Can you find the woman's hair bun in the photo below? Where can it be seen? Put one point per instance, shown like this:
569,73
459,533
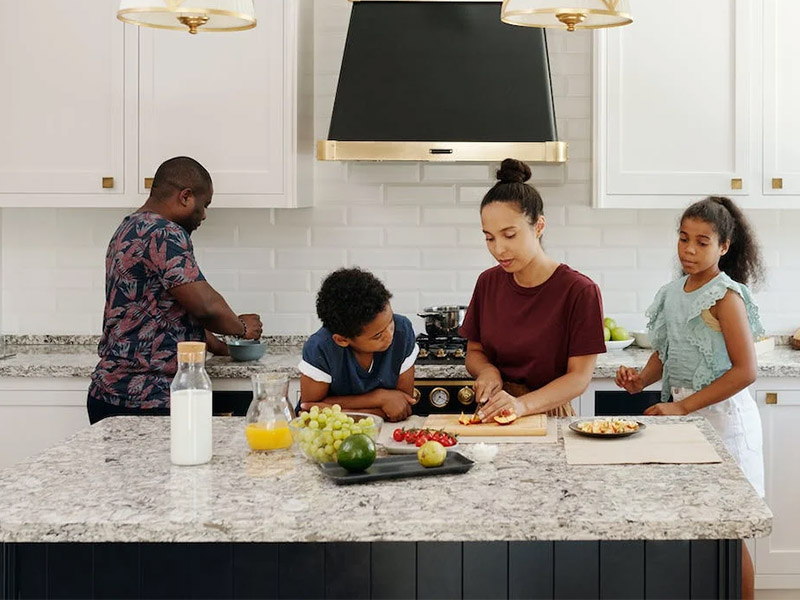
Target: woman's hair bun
513,171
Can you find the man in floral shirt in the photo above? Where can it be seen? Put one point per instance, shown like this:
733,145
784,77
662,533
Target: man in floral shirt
156,296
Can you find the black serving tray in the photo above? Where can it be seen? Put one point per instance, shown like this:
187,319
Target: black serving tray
396,467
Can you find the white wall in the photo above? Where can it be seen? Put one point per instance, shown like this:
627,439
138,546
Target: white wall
415,225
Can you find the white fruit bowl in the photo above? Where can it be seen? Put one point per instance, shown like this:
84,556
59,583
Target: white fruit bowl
618,345
642,339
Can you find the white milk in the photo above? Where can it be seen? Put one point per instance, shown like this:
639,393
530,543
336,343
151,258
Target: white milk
190,427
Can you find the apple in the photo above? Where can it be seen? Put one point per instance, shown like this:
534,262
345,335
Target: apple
606,333
610,323
619,334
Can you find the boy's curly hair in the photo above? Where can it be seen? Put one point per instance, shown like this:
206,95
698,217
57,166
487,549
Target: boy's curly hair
349,299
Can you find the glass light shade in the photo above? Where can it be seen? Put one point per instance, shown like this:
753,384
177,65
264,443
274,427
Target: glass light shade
566,14
189,15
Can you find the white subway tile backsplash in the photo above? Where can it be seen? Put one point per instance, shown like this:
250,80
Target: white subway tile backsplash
383,215
569,237
457,173
347,237
310,258
421,237
472,194
596,217
316,215
471,237
451,216
367,172
600,258
288,324
235,258
297,302
424,195
277,280
385,258
339,193
456,258
419,280
253,234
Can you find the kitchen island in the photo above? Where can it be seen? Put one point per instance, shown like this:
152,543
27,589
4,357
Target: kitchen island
105,514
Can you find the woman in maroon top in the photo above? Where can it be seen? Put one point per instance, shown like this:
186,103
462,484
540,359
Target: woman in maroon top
534,325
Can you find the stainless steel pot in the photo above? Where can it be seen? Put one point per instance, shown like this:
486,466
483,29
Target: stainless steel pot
443,320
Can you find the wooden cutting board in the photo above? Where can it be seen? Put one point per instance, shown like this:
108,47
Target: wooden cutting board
523,426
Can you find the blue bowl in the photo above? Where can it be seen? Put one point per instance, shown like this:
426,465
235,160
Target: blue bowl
243,350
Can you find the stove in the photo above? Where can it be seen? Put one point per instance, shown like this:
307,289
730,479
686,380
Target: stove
451,350
447,396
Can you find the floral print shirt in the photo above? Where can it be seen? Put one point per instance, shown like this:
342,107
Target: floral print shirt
143,323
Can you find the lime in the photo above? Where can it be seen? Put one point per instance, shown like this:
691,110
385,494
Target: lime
606,333
357,452
610,323
431,454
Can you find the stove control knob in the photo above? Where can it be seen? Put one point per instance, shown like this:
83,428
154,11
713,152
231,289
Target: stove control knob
466,395
440,353
439,397
423,353
459,353
416,395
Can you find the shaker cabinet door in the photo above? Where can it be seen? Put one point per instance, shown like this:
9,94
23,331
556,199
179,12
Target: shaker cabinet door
61,98
219,98
781,90
672,112
777,558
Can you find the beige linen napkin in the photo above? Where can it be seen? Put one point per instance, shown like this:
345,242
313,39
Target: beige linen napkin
674,443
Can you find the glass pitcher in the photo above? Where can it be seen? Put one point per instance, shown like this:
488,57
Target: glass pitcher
267,421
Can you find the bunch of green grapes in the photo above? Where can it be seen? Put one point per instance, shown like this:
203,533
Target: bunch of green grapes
323,431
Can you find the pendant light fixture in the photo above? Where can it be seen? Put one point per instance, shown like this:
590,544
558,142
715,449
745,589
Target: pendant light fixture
189,15
566,14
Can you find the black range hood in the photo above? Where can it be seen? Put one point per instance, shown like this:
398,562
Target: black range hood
441,81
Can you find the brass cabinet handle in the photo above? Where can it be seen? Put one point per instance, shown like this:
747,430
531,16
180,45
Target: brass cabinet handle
736,183
108,182
771,398
777,183
148,183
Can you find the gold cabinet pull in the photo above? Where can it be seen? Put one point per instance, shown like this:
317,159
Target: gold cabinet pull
108,182
777,183
772,398
736,183
148,183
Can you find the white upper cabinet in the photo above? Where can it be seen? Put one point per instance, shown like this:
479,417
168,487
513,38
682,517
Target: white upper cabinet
90,87
61,99
678,105
781,174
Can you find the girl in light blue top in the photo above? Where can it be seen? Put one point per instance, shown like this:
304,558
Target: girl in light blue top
702,327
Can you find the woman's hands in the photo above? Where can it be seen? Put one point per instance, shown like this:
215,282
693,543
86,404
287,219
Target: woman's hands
629,379
498,402
487,384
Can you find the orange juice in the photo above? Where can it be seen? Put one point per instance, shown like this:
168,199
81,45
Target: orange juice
261,437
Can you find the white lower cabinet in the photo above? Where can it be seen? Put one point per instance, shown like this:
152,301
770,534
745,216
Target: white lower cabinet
778,556
38,413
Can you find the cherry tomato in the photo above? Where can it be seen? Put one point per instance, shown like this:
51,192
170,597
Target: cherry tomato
421,441
399,435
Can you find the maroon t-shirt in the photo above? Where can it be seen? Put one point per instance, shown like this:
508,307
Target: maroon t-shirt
530,333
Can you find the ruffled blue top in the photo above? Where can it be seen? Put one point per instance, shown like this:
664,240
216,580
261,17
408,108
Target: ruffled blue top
693,354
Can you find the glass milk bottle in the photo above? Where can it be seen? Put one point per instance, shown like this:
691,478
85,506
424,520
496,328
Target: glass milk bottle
267,422
190,407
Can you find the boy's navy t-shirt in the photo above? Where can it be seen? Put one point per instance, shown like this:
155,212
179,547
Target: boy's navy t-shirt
327,362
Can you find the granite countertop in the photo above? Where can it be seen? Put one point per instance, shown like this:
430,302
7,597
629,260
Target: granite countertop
62,359
113,482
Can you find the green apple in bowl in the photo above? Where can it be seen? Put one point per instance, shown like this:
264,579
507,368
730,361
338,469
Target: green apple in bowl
619,334
610,323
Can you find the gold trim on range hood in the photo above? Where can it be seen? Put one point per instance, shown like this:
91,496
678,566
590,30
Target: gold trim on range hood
536,152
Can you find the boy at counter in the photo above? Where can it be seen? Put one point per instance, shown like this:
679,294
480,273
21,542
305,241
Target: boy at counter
362,357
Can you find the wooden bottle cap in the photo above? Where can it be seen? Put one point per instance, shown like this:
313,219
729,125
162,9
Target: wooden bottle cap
192,351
